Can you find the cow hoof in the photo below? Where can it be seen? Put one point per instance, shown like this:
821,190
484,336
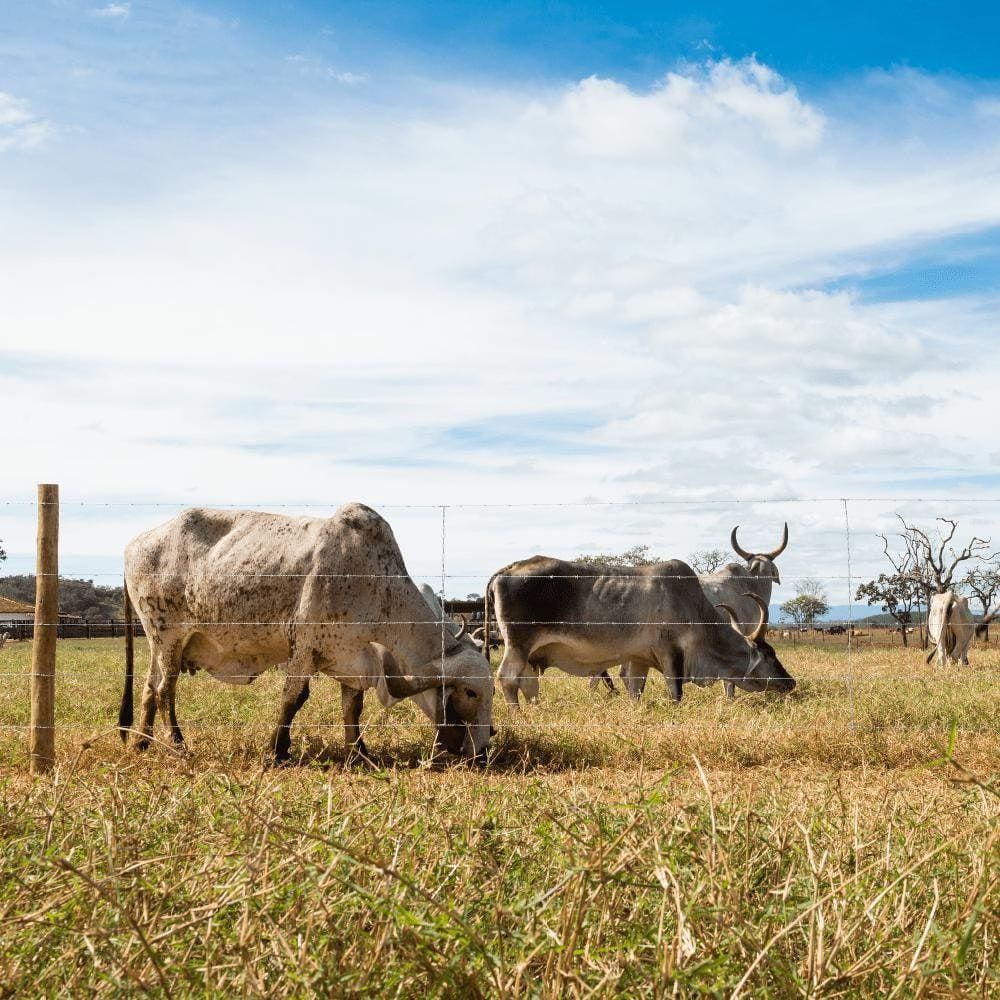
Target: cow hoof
359,754
142,743
281,753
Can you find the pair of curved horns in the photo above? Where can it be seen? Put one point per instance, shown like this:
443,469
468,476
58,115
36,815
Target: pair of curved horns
759,632
743,554
397,683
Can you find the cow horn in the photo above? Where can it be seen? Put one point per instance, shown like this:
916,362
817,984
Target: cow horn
398,685
742,553
732,617
781,548
761,629
461,631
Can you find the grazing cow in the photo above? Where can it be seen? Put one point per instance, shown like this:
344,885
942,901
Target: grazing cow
740,586
553,613
237,592
951,626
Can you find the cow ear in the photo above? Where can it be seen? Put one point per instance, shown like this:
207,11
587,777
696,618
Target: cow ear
398,685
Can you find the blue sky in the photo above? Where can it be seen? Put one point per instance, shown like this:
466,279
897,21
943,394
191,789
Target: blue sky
429,252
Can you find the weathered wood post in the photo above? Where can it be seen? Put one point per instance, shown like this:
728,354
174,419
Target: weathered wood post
43,650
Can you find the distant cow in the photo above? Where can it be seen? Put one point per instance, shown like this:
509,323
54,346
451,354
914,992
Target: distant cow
951,626
559,614
4,636
236,592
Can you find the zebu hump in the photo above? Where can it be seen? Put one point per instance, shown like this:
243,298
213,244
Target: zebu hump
539,590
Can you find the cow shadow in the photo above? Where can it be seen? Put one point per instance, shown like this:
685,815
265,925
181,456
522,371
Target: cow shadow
510,753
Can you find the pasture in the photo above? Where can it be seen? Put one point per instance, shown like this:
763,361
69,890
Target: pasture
814,845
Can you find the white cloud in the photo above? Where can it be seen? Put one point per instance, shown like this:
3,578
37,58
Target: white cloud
20,128
607,118
584,290
114,11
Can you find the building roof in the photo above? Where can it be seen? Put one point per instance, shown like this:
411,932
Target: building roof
9,607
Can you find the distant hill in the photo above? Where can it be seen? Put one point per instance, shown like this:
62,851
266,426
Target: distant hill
859,613
76,597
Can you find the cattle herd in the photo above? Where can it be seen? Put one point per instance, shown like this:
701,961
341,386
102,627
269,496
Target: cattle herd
237,592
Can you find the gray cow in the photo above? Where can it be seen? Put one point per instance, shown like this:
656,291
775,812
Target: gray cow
236,592
559,614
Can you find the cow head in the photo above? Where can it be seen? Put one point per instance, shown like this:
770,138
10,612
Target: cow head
761,563
764,671
455,691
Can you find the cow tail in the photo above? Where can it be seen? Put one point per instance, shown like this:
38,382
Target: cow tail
486,615
486,619
127,709
949,638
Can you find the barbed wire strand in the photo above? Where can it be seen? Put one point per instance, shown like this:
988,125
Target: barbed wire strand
374,724
499,505
289,623
932,674
482,575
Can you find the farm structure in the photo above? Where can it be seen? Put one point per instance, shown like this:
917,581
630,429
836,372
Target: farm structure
15,613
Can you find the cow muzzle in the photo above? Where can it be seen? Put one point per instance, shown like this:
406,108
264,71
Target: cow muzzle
469,739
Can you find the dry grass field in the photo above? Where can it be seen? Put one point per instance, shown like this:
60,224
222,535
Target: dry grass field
810,846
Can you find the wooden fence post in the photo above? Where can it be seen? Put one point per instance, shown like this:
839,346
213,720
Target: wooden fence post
43,649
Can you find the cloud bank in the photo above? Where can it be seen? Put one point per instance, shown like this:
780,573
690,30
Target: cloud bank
520,294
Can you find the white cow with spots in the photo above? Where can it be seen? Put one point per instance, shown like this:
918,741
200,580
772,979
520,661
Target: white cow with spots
237,592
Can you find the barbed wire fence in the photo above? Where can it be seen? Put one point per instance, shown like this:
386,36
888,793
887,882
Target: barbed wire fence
47,625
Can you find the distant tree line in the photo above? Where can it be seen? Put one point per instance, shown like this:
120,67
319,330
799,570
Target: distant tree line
76,597
705,561
809,603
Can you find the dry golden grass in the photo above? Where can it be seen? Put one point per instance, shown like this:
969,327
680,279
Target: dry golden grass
778,847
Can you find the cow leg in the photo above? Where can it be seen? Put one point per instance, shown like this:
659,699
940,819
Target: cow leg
531,683
293,697
147,711
634,677
730,689
604,676
512,673
671,663
352,702
170,668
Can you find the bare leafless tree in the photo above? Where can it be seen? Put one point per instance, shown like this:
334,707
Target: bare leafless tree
935,559
707,560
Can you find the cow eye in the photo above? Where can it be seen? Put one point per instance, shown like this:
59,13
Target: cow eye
469,693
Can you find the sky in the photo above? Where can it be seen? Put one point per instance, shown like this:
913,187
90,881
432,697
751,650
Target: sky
732,261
